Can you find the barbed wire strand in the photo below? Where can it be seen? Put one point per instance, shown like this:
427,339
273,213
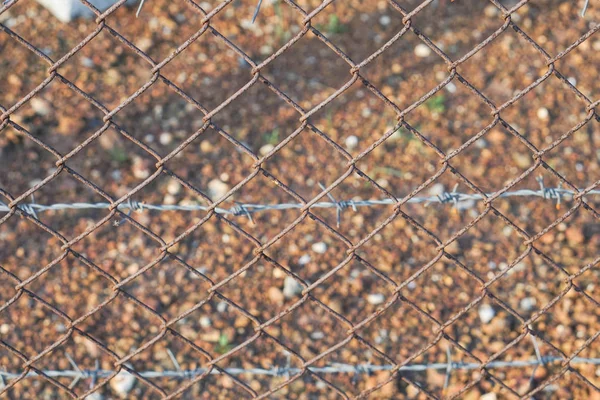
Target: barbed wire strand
336,368
460,201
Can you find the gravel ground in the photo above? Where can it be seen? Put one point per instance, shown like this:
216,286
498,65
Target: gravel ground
308,72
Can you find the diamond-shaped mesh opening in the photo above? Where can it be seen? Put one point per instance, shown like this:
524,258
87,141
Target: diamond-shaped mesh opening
67,280
300,80
488,247
580,234
356,290
263,353
107,70
339,25
313,329
559,29
14,56
530,286
512,55
19,320
308,151
13,179
309,250
530,116
122,315
212,163
276,25
160,28
208,70
401,75
77,352
577,158
120,248
160,118
399,250
216,326
355,118
113,163
471,22
503,153
584,54
451,117
27,248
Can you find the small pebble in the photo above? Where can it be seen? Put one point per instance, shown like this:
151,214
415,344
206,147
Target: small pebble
317,335
222,307
40,106
527,303
276,295
486,313
291,287
543,113
264,150
375,298
385,20
319,247
165,138
122,383
217,188
305,259
488,396
351,142
422,50
174,187
205,321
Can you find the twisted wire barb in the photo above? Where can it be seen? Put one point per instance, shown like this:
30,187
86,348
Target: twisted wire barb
337,368
460,200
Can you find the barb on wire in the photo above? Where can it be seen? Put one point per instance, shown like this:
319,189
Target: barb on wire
337,368
246,209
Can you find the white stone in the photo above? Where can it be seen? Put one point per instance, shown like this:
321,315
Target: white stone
40,106
375,298
305,259
165,138
174,187
543,113
488,396
66,10
319,247
351,142
317,335
94,396
291,287
385,20
122,383
217,189
528,303
205,321
222,306
486,313
264,150
422,50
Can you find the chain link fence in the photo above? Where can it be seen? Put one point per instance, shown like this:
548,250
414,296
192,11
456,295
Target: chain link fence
354,199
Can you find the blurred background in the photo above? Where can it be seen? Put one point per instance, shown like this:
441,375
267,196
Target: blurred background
532,284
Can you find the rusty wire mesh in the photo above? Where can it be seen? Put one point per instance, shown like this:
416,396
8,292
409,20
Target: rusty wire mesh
429,327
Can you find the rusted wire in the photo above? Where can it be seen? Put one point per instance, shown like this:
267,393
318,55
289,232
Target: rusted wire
19,204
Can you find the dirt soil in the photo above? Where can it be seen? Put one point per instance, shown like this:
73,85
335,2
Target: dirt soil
402,286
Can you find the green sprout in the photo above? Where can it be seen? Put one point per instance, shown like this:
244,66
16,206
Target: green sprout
436,104
223,346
